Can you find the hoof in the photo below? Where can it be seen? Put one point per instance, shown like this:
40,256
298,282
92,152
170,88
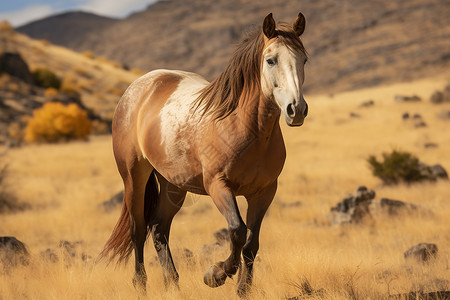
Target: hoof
215,276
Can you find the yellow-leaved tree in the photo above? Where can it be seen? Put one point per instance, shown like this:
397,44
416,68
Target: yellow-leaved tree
55,122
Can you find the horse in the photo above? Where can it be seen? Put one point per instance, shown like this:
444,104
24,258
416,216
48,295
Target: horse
173,132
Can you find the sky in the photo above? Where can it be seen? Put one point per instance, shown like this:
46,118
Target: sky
20,12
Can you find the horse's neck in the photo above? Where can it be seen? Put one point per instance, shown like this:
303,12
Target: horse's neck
259,114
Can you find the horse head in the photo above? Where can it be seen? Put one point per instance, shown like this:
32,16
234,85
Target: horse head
282,72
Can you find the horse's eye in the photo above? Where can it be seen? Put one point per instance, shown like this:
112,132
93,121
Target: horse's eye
271,61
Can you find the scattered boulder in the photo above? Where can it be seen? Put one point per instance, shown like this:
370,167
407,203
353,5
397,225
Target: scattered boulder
289,204
68,252
402,98
444,115
416,119
112,203
13,252
354,115
69,248
430,145
441,96
422,252
433,172
394,207
354,208
14,65
437,97
367,103
49,255
420,124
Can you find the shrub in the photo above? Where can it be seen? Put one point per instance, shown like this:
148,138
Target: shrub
46,78
396,166
55,122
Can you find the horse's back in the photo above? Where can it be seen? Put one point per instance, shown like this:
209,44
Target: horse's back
154,87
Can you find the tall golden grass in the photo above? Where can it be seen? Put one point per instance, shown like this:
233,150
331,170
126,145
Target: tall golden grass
326,161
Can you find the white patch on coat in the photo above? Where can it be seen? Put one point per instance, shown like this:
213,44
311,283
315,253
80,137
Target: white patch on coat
178,120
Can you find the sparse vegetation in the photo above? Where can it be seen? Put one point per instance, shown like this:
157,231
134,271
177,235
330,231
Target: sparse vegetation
57,122
8,201
396,167
46,78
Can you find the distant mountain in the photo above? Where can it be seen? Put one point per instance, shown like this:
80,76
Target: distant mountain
352,43
67,28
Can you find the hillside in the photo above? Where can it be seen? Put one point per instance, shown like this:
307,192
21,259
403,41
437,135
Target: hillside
352,43
64,29
94,82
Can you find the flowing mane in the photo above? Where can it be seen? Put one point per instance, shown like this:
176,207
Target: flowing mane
242,75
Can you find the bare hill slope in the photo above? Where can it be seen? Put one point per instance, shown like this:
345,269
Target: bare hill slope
352,43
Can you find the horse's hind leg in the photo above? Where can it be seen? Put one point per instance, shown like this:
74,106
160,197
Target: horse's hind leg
135,174
225,201
257,207
170,201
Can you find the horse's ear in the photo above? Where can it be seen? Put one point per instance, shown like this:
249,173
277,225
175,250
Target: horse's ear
269,26
299,24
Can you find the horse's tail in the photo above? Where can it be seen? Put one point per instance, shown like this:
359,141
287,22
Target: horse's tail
119,244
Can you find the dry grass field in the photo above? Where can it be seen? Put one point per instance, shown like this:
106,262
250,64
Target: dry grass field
326,161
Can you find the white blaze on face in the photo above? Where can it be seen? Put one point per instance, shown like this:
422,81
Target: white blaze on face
282,75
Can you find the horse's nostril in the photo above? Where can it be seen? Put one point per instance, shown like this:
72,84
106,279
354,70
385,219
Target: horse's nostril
305,113
291,110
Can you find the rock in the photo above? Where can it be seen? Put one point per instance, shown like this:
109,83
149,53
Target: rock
367,103
354,115
441,97
402,98
50,256
438,171
113,202
188,256
405,116
417,116
354,208
444,115
437,97
69,248
433,172
422,252
13,252
393,207
290,204
430,145
420,124
14,65
222,236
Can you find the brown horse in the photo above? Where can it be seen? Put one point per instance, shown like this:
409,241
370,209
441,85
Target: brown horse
173,132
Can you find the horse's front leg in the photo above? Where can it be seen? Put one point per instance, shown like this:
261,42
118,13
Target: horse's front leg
257,207
225,201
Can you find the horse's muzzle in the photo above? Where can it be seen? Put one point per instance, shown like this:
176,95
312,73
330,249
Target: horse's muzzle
296,114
